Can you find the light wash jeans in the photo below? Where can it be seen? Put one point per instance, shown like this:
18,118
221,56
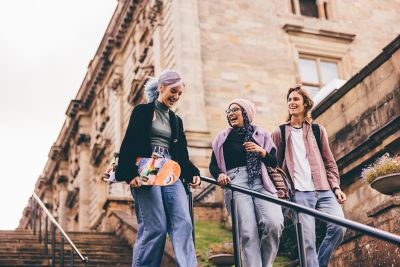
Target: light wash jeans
324,201
161,210
260,222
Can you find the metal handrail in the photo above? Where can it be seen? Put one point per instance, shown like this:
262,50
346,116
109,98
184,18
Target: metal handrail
368,230
41,204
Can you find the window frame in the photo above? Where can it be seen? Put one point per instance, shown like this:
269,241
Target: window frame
325,9
318,59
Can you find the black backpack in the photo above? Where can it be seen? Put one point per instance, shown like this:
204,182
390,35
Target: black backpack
317,134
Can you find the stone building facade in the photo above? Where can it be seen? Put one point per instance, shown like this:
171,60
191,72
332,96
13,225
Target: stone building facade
224,49
362,119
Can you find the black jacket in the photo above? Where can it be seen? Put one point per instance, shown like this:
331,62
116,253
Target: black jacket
137,143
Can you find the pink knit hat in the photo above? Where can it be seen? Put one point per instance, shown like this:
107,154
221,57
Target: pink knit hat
246,105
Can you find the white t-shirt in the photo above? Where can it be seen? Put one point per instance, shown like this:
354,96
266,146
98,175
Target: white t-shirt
302,171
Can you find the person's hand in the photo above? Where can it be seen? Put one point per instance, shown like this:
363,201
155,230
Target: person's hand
253,147
340,195
223,179
196,181
135,182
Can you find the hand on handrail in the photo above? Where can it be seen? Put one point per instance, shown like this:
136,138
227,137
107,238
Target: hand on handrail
223,179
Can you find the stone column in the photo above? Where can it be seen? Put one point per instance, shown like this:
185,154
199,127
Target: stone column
62,201
84,182
187,43
118,98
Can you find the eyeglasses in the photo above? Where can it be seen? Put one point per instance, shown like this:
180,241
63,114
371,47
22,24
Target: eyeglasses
233,110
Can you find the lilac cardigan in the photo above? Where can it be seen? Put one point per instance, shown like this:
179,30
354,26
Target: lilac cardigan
262,138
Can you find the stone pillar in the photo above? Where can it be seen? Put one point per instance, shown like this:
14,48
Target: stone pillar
62,201
118,98
84,182
187,43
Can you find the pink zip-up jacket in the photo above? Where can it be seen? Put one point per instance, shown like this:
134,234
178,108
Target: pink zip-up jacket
324,170
262,138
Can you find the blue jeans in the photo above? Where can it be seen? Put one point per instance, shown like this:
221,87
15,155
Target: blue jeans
161,210
260,222
324,201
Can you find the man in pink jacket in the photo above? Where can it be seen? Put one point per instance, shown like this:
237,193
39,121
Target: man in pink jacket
303,152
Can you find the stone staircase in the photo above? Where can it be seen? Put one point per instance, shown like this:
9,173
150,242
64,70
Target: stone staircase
21,248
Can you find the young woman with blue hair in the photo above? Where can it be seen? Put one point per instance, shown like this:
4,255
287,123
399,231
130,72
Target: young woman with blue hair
154,128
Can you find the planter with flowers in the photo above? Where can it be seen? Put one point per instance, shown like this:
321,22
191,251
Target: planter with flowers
384,175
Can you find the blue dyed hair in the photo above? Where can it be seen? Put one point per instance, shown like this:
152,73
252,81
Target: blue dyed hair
151,89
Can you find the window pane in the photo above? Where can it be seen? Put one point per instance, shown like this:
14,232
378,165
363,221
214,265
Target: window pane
308,70
308,8
312,90
329,72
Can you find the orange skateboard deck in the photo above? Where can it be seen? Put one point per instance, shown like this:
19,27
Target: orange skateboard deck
158,171
152,171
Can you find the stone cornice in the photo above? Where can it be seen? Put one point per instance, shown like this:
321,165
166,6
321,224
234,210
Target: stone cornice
290,28
73,108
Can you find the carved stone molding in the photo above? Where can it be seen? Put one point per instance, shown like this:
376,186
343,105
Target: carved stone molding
141,76
62,180
55,152
73,108
83,139
290,28
71,197
97,150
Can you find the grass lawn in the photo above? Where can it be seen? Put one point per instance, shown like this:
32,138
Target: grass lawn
207,234
210,233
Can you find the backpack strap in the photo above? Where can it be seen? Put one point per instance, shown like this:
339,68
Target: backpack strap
283,138
317,134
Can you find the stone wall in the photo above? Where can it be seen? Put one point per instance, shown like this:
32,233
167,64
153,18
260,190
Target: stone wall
210,212
360,250
362,120
360,128
247,52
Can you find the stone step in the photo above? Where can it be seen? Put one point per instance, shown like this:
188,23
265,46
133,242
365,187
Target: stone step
21,248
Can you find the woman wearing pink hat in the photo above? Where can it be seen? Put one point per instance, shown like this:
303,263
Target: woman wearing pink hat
240,156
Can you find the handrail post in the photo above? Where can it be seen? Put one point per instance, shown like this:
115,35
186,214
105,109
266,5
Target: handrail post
62,252
300,241
53,245
72,257
46,236
235,233
54,225
40,225
190,201
34,218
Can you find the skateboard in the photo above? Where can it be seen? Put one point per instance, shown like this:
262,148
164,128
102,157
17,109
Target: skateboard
152,171
157,170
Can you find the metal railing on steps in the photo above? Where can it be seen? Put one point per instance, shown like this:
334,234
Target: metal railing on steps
36,217
365,229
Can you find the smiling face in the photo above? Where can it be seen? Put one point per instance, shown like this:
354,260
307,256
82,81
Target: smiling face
235,115
170,95
295,103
